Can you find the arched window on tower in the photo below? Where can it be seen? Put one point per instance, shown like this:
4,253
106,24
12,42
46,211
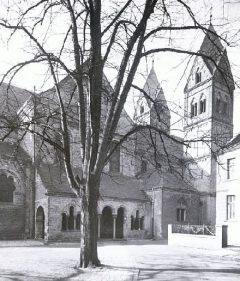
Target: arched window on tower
194,108
202,104
141,109
198,76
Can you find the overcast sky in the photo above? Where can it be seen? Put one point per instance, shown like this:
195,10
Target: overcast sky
171,69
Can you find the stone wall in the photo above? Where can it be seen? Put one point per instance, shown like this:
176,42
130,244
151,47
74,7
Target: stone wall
170,204
16,216
57,206
130,207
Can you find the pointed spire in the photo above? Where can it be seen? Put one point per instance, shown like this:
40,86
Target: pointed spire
211,9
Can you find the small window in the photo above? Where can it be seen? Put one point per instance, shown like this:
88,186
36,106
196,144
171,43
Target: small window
141,109
194,109
198,76
136,222
71,219
202,106
64,221
230,168
230,207
181,214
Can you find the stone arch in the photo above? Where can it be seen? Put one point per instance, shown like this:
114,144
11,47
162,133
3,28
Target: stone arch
17,178
40,223
107,222
110,206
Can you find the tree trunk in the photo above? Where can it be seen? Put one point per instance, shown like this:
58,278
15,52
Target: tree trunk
88,241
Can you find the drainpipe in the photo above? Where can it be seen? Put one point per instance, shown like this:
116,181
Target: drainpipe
153,201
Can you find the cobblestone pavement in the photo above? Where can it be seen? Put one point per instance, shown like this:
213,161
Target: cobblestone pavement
122,260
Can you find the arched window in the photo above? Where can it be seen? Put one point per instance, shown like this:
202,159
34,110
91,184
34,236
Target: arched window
141,109
194,109
136,222
181,210
78,221
7,188
202,104
64,221
71,219
198,76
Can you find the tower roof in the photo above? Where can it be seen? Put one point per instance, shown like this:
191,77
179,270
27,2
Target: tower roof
153,89
211,47
214,55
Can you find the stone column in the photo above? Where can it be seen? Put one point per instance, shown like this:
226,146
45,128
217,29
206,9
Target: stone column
114,226
99,225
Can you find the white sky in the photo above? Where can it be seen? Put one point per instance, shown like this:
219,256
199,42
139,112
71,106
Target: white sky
170,68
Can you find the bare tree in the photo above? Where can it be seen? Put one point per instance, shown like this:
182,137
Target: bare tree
96,36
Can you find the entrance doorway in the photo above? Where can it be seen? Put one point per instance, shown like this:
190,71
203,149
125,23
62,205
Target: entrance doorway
107,223
119,223
40,220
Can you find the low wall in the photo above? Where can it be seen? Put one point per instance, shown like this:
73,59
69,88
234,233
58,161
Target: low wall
199,241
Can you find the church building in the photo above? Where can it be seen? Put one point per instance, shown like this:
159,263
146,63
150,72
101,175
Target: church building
152,180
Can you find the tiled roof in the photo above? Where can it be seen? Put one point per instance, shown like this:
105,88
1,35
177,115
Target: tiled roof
118,187
54,179
122,187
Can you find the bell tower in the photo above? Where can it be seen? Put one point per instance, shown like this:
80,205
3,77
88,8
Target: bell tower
151,107
208,105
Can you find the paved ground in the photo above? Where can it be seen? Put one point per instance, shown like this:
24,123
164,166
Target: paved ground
132,260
